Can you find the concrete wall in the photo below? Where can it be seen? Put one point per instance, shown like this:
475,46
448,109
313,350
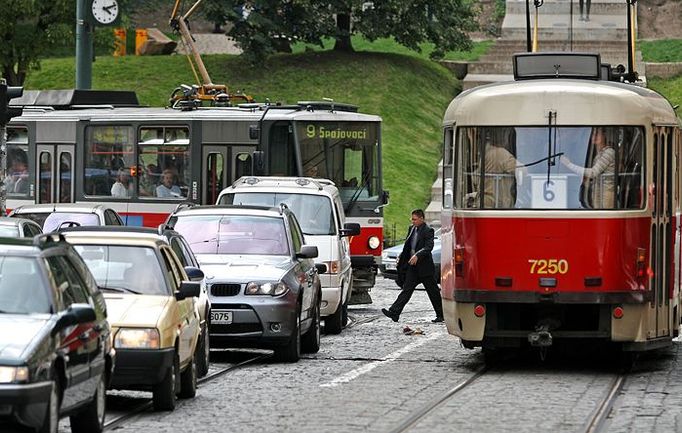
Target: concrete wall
663,70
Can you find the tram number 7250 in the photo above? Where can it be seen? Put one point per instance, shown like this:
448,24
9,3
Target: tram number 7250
549,266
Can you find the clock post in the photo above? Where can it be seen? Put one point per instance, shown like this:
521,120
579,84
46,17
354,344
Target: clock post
88,14
84,45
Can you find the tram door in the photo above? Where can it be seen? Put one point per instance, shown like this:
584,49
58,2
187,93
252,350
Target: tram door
55,173
661,233
221,166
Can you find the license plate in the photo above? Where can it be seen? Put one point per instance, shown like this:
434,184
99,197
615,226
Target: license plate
221,317
390,267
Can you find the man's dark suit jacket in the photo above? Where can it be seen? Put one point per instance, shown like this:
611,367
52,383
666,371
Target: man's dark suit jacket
424,266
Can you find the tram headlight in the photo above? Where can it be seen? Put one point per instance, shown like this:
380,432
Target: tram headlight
373,242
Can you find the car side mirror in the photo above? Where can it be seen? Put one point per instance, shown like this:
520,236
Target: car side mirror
194,274
307,252
350,229
76,314
188,289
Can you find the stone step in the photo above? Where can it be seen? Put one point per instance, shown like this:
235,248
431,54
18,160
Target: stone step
556,46
437,189
432,213
597,7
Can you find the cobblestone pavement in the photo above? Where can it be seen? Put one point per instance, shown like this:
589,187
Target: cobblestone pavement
372,376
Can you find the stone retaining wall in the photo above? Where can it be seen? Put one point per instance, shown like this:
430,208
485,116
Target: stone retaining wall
663,70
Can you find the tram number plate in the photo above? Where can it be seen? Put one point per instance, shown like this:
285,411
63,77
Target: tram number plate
221,317
548,266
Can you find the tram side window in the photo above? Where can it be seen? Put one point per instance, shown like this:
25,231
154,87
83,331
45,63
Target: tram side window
108,156
18,179
164,162
447,169
468,163
630,193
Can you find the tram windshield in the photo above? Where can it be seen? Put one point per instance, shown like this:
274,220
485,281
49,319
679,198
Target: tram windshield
596,167
344,152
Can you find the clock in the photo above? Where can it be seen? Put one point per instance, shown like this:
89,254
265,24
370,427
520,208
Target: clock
104,11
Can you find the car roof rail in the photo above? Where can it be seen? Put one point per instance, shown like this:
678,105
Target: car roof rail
282,207
299,180
48,240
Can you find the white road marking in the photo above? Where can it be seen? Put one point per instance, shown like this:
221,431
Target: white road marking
354,374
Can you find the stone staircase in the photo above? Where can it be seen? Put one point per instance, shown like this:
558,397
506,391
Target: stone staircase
559,29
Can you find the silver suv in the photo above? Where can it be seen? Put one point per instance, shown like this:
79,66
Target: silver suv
261,277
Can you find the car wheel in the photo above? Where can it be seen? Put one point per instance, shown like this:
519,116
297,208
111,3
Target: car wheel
311,340
91,418
334,324
188,380
164,392
291,352
202,354
344,315
51,421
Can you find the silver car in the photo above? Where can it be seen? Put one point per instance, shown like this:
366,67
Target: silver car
261,277
51,217
18,228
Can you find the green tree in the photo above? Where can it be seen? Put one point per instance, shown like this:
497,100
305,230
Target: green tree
29,29
261,27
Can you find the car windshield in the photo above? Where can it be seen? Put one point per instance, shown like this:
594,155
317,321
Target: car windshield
9,231
53,221
125,268
233,234
313,212
22,290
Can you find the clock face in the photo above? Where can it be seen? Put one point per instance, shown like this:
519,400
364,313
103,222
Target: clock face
105,11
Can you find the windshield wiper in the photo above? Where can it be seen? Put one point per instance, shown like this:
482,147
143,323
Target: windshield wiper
358,191
204,241
120,290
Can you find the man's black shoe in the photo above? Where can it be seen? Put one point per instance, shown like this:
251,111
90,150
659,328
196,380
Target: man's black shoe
438,320
389,313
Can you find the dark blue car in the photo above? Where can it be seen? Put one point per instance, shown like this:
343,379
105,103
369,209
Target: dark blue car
390,256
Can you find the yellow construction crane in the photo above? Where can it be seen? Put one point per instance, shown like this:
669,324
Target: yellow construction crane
204,90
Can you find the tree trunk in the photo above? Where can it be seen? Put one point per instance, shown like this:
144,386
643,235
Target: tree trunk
343,42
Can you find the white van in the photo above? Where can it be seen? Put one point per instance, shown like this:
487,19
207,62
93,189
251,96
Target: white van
319,210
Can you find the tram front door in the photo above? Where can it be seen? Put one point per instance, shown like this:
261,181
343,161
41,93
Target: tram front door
55,173
221,166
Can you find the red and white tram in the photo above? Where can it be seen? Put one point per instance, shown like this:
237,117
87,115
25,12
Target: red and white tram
561,210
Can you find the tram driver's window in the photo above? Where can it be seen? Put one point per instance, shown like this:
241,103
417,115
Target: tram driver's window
164,162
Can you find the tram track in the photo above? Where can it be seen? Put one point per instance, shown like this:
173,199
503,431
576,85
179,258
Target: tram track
423,411
146,405
598,418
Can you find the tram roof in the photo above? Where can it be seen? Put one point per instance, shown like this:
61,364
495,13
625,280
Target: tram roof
576,102
248,114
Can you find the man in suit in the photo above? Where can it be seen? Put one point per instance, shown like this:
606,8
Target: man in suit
417,263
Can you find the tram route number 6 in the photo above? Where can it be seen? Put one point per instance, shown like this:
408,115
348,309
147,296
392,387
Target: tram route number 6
551,266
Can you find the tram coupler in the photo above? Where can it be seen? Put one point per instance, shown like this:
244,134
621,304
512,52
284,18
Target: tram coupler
541,337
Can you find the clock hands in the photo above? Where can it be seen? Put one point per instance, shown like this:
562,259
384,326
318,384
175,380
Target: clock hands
108,8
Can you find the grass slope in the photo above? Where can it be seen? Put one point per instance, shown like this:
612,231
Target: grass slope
408,92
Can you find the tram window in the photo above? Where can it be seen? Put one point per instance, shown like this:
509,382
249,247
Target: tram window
214,176
65,178
18,180
543,168
45,182
163,152
447,169
108,149
282,156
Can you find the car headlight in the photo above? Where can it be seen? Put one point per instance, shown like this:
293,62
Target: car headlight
137,338
373,242
13,374
273,289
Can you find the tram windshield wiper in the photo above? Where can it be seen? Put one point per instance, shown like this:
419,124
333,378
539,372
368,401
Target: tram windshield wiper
358,191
